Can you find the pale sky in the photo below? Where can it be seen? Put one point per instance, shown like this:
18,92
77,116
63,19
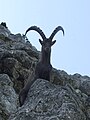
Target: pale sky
71,52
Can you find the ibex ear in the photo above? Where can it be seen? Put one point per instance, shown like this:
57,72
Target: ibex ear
53,42
41,42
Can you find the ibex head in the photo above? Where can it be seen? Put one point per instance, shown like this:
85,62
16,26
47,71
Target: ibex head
46,42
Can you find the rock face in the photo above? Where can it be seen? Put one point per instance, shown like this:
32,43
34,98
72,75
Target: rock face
65,97
8,97
46,101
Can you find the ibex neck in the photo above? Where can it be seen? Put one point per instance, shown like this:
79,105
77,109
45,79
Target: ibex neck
45,58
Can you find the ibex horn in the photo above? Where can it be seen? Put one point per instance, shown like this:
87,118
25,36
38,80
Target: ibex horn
55,31
37,29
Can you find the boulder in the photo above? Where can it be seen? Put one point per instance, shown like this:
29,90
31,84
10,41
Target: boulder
8,97
47,101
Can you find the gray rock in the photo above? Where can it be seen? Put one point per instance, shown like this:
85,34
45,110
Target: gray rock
60,77
65,97
85,86
4,31
17,58
8,97
47,101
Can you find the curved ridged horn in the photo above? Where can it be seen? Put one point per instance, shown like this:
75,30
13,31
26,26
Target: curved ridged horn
38,30
55,31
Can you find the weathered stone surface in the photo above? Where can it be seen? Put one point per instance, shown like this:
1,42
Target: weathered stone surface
8,97
17,58
65,97
4,32
85,86
47,101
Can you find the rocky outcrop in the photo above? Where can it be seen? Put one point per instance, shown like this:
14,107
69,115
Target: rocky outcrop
47,101
8,97
65,97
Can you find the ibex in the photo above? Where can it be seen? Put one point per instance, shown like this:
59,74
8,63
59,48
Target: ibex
44,67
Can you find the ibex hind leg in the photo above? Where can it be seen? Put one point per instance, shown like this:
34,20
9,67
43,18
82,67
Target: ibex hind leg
22,97
24,91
